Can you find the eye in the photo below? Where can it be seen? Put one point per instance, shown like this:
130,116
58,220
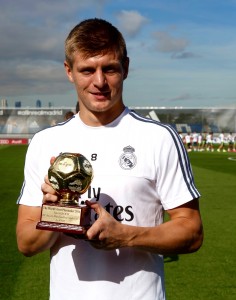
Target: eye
87,71
110,70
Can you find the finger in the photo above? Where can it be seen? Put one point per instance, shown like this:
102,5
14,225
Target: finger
47,188
47,180
49,194
94,231
52,159
50,198
95,206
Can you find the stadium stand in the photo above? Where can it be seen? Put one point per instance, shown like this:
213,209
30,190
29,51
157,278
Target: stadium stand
22,123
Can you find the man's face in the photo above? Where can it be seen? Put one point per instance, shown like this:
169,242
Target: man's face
98,81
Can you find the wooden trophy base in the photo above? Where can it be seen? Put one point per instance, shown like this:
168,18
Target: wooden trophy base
68,219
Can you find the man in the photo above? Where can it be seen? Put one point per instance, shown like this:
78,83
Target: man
209,142
140,169
199,142
204,140
194,141
188,140
230,139
222,142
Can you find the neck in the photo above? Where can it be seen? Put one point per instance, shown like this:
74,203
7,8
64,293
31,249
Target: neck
100,118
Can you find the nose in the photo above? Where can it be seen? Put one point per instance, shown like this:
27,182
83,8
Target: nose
99,79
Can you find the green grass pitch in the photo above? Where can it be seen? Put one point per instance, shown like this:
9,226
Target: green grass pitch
209,274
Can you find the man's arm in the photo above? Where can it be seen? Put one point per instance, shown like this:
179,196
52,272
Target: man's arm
29,239
183,233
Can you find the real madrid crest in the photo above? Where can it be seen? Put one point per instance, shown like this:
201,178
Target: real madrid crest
128,160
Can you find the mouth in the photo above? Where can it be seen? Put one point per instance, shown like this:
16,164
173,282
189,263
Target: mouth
101,95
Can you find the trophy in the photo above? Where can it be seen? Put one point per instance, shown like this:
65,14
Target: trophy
70,175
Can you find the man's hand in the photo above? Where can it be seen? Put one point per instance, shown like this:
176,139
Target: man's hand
106,233
49,194
183,233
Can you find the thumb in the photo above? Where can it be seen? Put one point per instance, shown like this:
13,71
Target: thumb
95,206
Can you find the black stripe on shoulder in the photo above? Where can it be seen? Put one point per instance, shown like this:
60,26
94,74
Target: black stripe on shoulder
141,118
181,150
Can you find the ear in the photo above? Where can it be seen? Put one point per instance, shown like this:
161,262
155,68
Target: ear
68,71
126,68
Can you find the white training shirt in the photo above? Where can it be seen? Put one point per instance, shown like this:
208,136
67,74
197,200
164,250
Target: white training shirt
140,168
221,137
195,137
187,139
209,138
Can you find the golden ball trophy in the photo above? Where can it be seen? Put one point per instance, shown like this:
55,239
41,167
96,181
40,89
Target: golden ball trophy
70,175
